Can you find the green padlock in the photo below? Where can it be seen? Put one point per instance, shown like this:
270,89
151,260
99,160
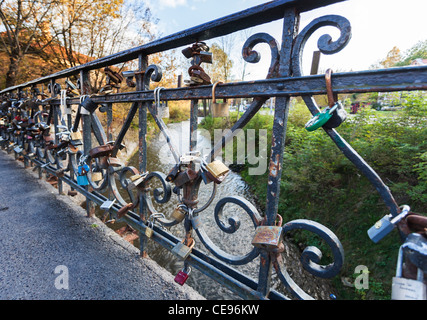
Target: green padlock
321,118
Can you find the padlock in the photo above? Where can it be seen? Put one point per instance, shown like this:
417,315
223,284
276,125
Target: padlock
338,117
82,180
83,169
321,118
148,231
76,135
101,151
407,289
415,250
384,226
136,180
173,173
96,176
89,105
106,205
182,276
205,57
185,176
219,109
178,214
182,251
123,210
217,168
268,237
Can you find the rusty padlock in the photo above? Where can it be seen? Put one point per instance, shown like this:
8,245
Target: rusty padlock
198,72
185,176
173,173
268,237
123,210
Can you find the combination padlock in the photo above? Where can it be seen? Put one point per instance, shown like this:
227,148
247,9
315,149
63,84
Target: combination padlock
404,288
268,237
384,226
182,276
181,250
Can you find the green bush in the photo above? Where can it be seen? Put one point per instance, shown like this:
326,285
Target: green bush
321,184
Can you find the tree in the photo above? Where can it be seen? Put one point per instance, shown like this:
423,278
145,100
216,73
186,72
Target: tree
393,57
22,22
67,33
220,69
418,51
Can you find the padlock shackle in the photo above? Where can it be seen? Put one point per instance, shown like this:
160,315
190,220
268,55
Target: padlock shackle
332,97
213,90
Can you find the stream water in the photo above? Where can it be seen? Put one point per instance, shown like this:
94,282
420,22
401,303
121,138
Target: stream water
159,158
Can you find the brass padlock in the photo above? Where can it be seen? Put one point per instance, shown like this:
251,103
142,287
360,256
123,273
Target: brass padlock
148,231
96,176
268,237
217,168
178,214
219,109
136,180
181,250
76,135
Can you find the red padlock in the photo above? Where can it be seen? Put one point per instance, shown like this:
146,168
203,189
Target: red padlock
182,276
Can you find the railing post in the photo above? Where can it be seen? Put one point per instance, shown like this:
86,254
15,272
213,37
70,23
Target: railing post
142,132
290,25
87,133
55,124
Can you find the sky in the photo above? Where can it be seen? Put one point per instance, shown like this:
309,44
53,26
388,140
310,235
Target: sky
377,26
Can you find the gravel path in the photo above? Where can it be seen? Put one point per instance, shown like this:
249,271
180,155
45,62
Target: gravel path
50,249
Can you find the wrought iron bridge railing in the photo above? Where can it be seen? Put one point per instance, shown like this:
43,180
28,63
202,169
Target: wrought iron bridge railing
89,164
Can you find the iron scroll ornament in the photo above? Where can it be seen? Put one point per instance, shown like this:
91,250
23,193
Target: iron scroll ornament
327,46
311,256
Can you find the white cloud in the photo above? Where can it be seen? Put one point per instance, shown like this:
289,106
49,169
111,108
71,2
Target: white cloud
172,3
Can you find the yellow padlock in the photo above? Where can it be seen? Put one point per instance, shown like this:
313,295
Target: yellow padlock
96,176
178,214
217,168
76,135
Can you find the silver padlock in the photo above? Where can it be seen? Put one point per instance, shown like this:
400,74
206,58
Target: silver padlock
106,205
407,289
384,226
136,180
415,250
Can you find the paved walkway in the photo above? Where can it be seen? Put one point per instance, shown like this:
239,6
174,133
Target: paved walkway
50,249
